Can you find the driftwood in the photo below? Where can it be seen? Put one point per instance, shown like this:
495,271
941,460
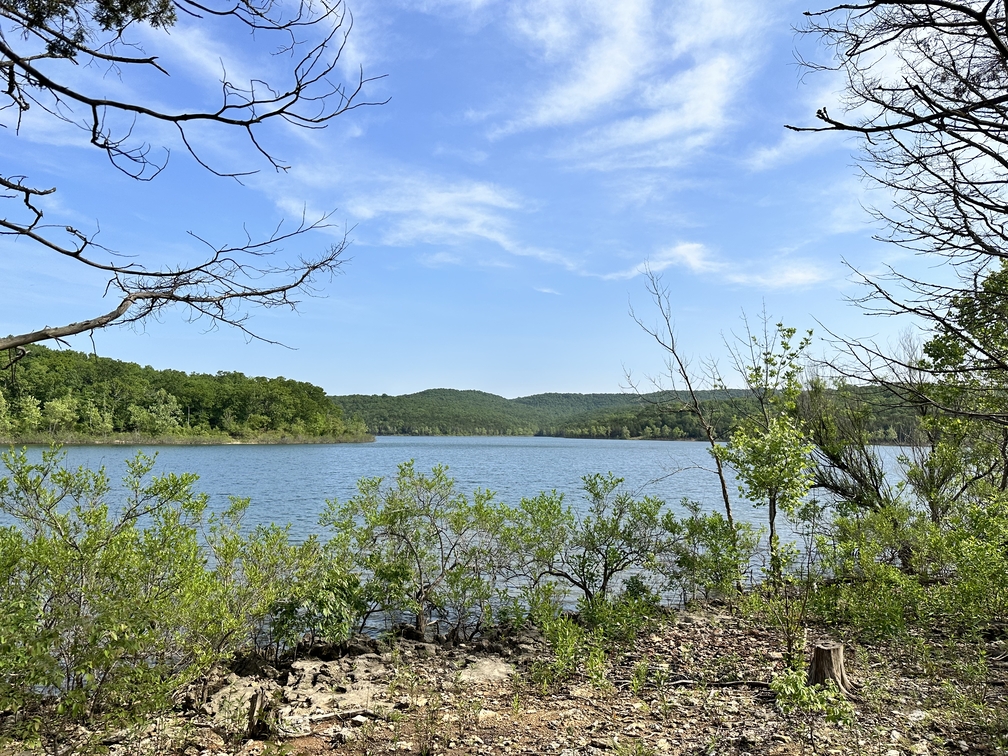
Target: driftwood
827,663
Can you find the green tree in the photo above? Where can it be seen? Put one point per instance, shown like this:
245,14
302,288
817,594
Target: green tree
60,414
709,556
618,533
6,421
774,467
162,415
770,450
94,420
29,413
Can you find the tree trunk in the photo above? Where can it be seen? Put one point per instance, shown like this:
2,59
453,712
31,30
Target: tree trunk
828,664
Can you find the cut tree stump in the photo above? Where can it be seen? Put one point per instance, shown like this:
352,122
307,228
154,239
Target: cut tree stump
827,663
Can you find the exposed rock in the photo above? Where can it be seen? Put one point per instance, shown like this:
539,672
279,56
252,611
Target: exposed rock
483,670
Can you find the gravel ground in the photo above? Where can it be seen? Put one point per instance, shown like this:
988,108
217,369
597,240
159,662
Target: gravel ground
694,684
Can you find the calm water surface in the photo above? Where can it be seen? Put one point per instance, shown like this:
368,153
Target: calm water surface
290,483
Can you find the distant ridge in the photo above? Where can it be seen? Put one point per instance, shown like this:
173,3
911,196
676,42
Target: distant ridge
451,412
454,412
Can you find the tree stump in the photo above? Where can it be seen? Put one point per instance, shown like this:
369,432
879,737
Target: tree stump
254,713
827,663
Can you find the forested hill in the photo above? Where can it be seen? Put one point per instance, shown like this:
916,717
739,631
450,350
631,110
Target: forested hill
451,412
443,412
69,396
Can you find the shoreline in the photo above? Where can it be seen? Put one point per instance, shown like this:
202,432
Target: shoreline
138,440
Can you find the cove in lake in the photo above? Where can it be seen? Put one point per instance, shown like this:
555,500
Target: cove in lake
290,483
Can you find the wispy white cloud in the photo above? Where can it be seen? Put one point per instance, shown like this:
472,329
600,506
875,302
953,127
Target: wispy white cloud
641,82
440,259
697,259
545,290
405,207
593,75
790,147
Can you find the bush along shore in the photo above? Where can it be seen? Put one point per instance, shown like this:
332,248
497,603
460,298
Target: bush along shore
427,620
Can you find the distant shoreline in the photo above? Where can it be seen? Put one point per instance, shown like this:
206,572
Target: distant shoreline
121,439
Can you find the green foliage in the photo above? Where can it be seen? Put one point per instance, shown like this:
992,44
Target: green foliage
66,393
28,412
770,450
773,464
639,678
841,421
423,548
278,594
439,412
707,556
6,420
103,609
79,22
617,622
871,560
567,640
163,415
618,533
634,747
784,606
974,545
811,703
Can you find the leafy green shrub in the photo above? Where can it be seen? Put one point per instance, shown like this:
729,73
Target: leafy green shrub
617,534
810,703
707,556
975,595
569,644
424,549
278,593
103,610
618,621
872,561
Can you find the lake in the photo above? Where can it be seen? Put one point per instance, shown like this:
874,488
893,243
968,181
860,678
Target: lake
290,483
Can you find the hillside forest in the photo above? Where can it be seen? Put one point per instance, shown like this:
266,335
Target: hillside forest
75,397
657,415
54,394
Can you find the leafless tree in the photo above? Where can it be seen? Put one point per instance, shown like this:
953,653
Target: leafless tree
927,91
681,393
45,44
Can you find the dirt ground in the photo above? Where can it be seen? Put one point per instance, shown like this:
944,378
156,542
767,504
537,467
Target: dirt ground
694,684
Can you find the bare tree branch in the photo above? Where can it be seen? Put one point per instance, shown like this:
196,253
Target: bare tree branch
41,43
926,84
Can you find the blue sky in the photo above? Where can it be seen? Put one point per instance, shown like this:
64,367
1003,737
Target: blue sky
531,158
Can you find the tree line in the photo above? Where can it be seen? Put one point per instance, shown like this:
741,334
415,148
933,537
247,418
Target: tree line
657,415
71,395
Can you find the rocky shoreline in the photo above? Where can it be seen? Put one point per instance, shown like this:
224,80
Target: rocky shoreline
696,683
